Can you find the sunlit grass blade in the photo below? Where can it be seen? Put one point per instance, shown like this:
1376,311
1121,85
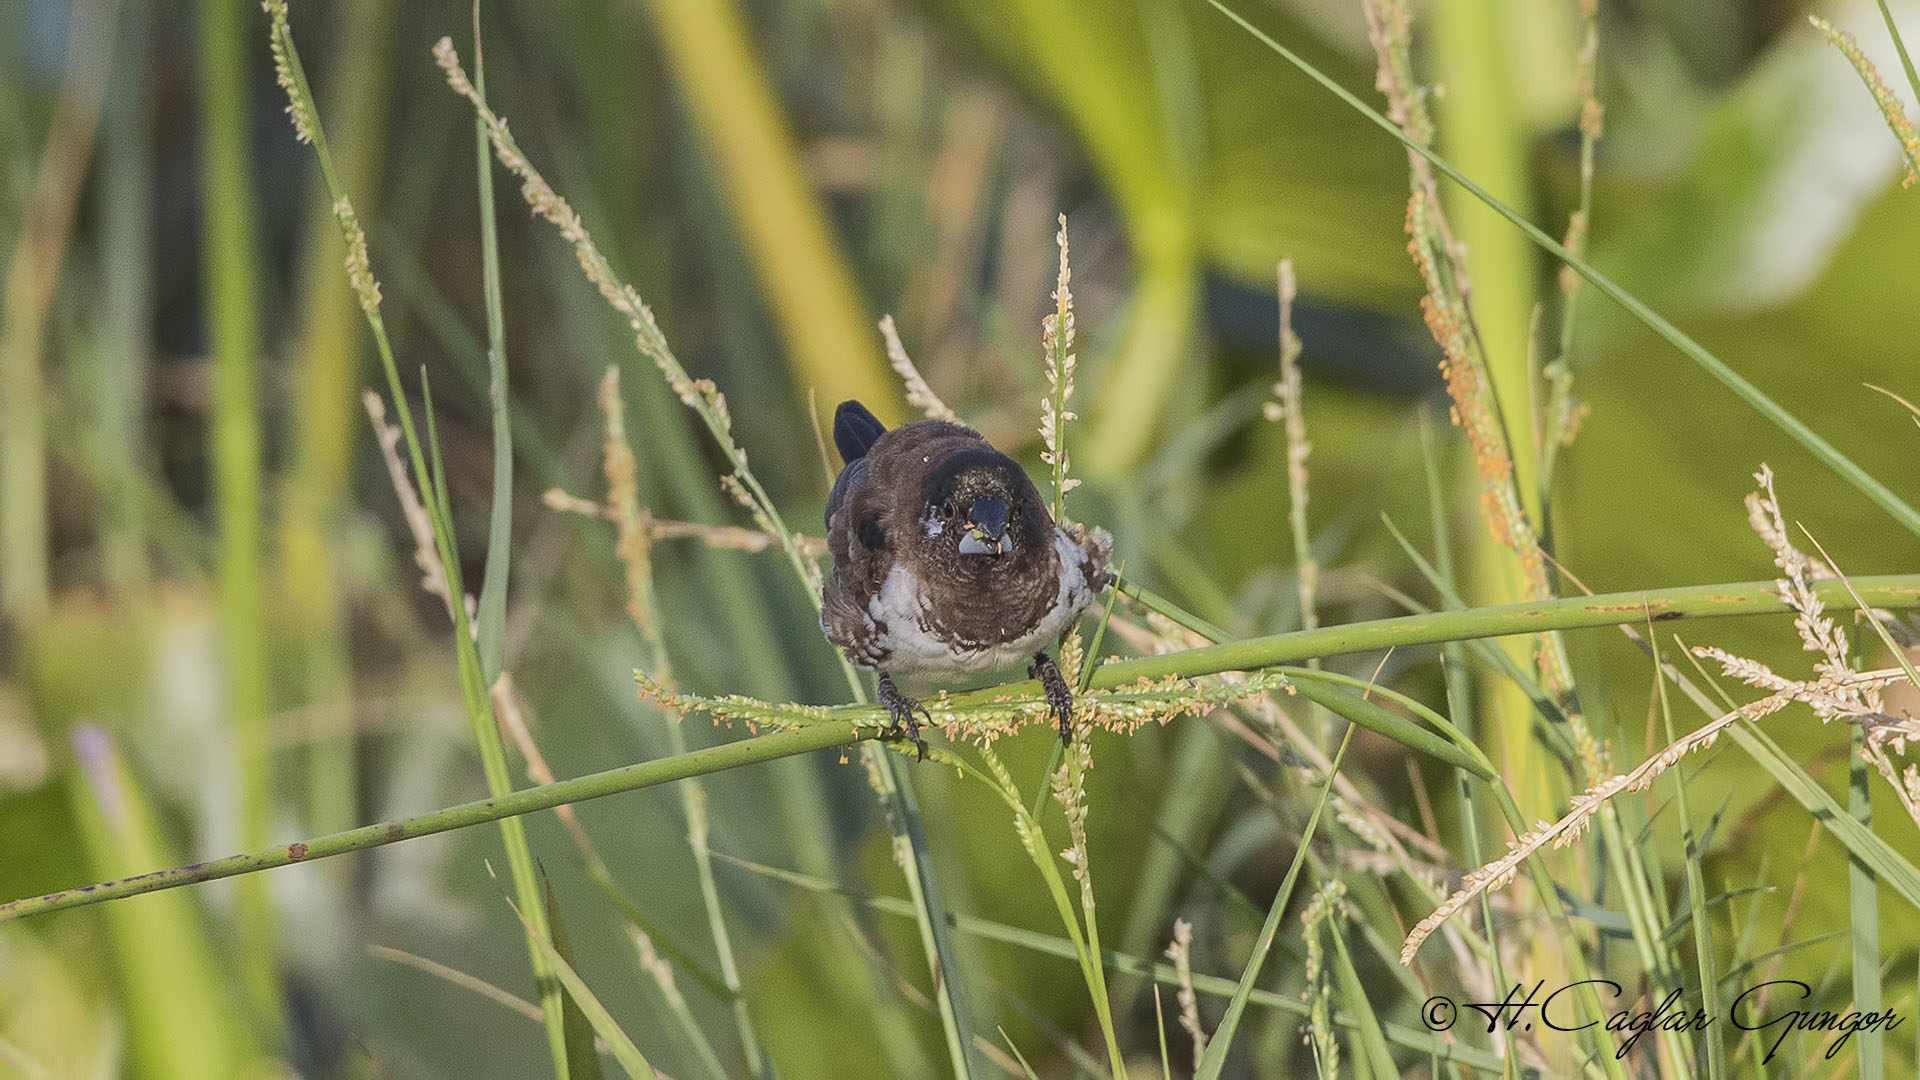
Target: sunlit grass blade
1826,452
1209,1067
803,273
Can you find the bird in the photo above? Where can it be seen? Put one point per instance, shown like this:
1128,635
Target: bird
947,565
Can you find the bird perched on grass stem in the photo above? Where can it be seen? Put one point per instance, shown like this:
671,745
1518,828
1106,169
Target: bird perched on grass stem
946,564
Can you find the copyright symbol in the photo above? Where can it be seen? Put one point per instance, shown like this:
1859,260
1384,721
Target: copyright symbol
1438,1013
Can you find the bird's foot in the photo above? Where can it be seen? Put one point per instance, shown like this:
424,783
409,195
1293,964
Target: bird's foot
1059,694
906,713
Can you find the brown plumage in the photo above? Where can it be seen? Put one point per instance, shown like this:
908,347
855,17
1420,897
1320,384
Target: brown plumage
946,564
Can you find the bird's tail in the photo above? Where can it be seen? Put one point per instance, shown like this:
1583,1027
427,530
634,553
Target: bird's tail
855,430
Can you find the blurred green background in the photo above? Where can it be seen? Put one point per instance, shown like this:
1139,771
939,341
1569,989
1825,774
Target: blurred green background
773,177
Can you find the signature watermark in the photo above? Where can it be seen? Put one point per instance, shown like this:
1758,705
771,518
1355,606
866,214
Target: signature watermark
1753,1010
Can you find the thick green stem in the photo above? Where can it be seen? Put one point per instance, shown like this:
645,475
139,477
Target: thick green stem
525,801
1697,601
1566,613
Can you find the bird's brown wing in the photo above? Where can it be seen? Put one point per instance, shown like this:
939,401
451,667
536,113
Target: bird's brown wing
875,505
858,568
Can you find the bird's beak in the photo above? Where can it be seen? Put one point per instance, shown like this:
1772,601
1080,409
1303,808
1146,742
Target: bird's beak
986,529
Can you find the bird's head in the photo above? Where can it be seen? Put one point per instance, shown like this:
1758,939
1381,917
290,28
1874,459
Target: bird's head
980,507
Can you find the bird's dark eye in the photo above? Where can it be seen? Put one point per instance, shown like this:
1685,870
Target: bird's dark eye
946,508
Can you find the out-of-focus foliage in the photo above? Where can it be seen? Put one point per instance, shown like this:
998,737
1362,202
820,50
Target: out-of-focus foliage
1746,188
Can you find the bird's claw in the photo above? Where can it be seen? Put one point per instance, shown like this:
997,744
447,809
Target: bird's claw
906,713
1059,694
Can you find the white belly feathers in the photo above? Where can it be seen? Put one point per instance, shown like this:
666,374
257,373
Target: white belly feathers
903,635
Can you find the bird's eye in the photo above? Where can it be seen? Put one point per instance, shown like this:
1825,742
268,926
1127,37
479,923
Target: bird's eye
946,508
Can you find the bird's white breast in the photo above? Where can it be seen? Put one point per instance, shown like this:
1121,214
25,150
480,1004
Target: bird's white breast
914,651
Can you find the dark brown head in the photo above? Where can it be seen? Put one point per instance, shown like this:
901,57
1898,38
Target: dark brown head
981,517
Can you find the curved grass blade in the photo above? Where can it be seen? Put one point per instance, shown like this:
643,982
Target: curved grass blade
1375,718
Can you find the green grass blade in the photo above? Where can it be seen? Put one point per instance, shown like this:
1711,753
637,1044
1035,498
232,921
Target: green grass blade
1892,867
124,358
693,803
1373,1040
493,753
1900,46
180,1023
1863,904
1698,914
1826,452
491,623
583,1060
1216,1057
1025,1069
433,493
604,1025
1160,1030
1453,675
233,303
1359,710
911,851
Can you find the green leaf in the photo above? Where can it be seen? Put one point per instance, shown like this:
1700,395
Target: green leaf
1216,1057
490,626
1378,719
583,1061
1373,1041
181,1021
624,1050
